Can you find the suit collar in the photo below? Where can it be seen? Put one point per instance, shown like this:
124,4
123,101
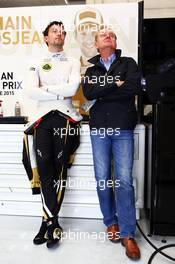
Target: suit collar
96,60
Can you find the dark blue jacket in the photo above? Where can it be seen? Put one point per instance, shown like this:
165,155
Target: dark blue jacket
115,106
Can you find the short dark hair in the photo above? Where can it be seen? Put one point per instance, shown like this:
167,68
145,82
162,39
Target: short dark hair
59,23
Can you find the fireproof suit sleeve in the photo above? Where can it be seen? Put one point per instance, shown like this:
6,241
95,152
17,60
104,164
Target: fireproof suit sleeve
37,91
34,90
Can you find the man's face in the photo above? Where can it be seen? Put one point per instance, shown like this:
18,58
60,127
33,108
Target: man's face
85,36
56,36
105,39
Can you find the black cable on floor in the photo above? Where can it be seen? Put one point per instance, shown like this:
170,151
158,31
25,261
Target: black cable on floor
157,250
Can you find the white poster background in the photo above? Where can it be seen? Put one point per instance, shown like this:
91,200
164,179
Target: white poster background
14,58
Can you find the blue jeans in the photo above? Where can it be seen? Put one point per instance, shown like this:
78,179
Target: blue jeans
117,201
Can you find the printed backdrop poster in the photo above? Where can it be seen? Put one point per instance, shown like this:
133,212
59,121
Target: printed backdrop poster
21,41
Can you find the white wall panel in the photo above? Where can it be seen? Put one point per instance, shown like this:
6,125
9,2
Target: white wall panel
152,8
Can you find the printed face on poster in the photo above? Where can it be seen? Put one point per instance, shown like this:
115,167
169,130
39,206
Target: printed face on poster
21,41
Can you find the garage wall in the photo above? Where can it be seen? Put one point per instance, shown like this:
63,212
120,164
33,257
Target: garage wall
152,8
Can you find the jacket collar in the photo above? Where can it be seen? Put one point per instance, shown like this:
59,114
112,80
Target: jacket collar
59,55
96,60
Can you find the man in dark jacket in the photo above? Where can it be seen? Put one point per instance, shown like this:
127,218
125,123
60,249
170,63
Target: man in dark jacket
113,82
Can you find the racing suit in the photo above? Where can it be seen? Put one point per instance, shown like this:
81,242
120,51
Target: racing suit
52,81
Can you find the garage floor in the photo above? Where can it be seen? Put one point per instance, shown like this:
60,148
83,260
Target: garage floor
84,242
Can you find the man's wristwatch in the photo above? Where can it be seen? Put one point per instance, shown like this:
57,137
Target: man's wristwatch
60,97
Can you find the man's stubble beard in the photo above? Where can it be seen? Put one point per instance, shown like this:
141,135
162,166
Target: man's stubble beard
59,45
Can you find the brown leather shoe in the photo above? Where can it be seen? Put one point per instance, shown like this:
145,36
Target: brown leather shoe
113,233
132,250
